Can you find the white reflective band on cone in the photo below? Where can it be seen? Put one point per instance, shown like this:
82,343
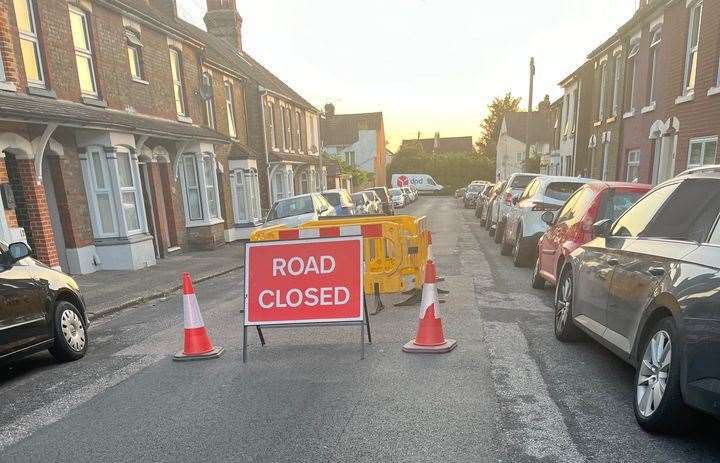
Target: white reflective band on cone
193,318
430,297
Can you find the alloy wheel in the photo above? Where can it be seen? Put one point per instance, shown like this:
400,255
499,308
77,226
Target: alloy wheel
72,330
563,303
654,373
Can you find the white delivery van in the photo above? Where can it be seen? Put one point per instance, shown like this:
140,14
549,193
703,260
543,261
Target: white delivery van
424,183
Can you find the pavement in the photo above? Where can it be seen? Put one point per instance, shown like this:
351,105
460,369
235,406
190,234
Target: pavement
509,392
109,291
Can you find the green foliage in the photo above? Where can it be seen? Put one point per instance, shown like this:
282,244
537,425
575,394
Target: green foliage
487,144
360,178
453,171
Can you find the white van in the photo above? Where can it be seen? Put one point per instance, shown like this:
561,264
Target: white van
424,183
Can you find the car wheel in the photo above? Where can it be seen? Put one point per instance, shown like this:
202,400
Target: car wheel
70,333
658,402
518,252
499,230
477,212
565,329
538,282
505,247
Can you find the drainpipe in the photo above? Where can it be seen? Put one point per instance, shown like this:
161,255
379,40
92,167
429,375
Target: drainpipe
264,92
321,146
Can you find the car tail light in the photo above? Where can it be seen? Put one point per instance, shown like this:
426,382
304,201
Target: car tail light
545,207
508,199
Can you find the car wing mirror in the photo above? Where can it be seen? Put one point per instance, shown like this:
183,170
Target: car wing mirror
548,217
515,200
16,252
601,229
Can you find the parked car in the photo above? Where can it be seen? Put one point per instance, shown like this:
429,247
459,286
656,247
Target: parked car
297,210
387,205
471,194
341,201
572,226
44,308
482,200
460,192
648,288
409,195
701,169
524,225
375,206
490,207
513,188
397,196
362,203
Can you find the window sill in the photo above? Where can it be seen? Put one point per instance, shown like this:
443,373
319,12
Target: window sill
685,98
714,91
8,86
648,108
629,114
203,223
597,124
43,92
140,81
611,119
94,102
184,119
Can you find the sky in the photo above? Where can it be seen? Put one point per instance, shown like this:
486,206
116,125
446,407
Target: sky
428,65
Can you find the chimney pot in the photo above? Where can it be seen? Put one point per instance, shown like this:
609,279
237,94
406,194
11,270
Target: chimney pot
224,22
329,109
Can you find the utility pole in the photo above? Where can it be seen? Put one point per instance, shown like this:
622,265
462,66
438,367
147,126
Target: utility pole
530,109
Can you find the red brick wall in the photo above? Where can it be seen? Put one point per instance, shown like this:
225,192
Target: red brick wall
7,48
10,216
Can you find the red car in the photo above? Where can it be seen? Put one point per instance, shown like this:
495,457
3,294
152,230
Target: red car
572,226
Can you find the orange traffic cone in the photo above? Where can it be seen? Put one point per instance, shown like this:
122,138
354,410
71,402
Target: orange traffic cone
430,338
431,257
197,344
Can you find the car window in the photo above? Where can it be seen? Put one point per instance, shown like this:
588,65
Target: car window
431,182
395,192
615,203
521,181
530,189
689,214
561,190
292,207
332,198
568,210
637,218
474,188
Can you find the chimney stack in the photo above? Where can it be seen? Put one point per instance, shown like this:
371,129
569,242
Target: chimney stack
544,105
166,6
329,109
224,22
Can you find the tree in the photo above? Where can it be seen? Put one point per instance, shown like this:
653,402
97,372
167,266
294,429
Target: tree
487,144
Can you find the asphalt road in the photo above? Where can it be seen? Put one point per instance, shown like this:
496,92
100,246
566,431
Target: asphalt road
509,392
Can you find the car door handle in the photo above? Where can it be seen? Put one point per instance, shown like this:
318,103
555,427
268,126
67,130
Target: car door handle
613,261
656,271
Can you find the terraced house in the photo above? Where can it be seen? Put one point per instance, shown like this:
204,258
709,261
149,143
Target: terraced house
654,102
127,133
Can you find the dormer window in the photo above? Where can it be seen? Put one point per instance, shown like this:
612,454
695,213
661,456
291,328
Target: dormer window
134,50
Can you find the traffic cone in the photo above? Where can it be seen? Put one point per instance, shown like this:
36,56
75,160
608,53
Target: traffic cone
431,257
197,344
430,338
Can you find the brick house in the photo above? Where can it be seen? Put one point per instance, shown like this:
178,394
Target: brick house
576,120
113,160
514,135
358,138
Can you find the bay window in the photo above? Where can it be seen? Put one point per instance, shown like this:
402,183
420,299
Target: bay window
29,43
691,54
200,188
654,59
83,52
177,79
702,152
112,184
230,109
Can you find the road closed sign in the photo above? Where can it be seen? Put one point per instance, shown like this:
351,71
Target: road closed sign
304,281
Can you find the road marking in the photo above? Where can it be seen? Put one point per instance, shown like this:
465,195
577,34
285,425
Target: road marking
27,425
533,420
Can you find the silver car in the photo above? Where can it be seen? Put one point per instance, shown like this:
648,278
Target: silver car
297,210
514,187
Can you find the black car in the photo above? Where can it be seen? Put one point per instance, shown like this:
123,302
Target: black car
482,199
648,288
40,308
387,205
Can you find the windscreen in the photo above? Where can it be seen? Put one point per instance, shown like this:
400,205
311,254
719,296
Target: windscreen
474,188
292,207
521,181
382,193
396,192
333,198
562,190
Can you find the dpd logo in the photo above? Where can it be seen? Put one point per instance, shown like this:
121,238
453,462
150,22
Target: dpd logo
403,180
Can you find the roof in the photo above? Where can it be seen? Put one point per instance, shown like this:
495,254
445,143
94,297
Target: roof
28,108
217,50
541,126
343,129
445,145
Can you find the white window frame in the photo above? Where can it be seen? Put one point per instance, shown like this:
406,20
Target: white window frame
198,160
209,102
631,67
691,50
32,37
271,122
654,60
110,170
603,90
298,131
228,90
85,53
606,160
132,41
211,187
178,84
618,61
633,161
287,128
246,187
196,172
703,154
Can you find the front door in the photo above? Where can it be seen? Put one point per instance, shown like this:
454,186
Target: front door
23,321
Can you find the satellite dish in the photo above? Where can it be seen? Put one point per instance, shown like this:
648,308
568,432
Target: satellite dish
206,92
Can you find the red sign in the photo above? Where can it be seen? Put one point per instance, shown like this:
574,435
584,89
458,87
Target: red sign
403,180
304,281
